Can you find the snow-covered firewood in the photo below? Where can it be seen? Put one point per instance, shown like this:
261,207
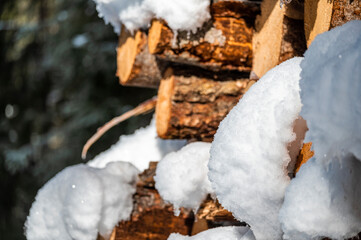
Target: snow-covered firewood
325,197
81,201
249,156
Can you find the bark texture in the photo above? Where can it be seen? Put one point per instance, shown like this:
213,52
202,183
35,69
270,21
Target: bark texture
224,42
191,107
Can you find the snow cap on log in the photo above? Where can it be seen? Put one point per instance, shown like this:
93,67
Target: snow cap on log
181,177
249,156
80,201
180,15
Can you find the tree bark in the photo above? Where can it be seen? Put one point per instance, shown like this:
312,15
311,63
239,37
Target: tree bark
135,65
191,107
224,42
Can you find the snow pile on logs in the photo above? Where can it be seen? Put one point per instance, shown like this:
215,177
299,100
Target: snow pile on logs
135,14
229,233
250,179
327,190
139,148
81,201
181,177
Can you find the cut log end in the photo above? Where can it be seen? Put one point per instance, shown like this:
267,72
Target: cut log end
164,104
135,65
127,53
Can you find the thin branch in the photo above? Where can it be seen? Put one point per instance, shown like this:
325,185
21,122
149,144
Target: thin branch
140,109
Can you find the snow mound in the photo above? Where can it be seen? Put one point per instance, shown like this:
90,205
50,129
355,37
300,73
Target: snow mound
139,148
135,14
249,157
181,177
81,201
181,15
327,190
220,233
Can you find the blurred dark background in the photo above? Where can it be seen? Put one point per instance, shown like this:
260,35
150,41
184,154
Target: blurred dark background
57,86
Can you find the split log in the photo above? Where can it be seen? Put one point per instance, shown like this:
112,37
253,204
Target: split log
191,107
279,35
224,42
135,65
323,15
211,214
152,218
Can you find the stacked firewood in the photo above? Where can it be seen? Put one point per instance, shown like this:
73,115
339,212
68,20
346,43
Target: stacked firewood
201,76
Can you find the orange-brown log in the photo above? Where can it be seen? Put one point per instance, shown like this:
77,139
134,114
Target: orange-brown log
323,15
135,65
191,107
224,42
152,218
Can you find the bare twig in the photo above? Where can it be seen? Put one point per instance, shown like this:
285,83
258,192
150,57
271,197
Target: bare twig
140,109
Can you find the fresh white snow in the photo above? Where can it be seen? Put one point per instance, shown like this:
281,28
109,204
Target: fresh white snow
325,197
139,148
181,177
249,157
135,14
220,233
81,201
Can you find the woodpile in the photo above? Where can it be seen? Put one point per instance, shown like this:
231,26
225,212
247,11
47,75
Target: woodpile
201,75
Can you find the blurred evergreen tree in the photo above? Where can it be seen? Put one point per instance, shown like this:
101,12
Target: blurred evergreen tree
57,86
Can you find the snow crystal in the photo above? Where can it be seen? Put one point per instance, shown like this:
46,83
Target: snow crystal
249,157
81,201
325,197
220,233
135,14
181,177
139,148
